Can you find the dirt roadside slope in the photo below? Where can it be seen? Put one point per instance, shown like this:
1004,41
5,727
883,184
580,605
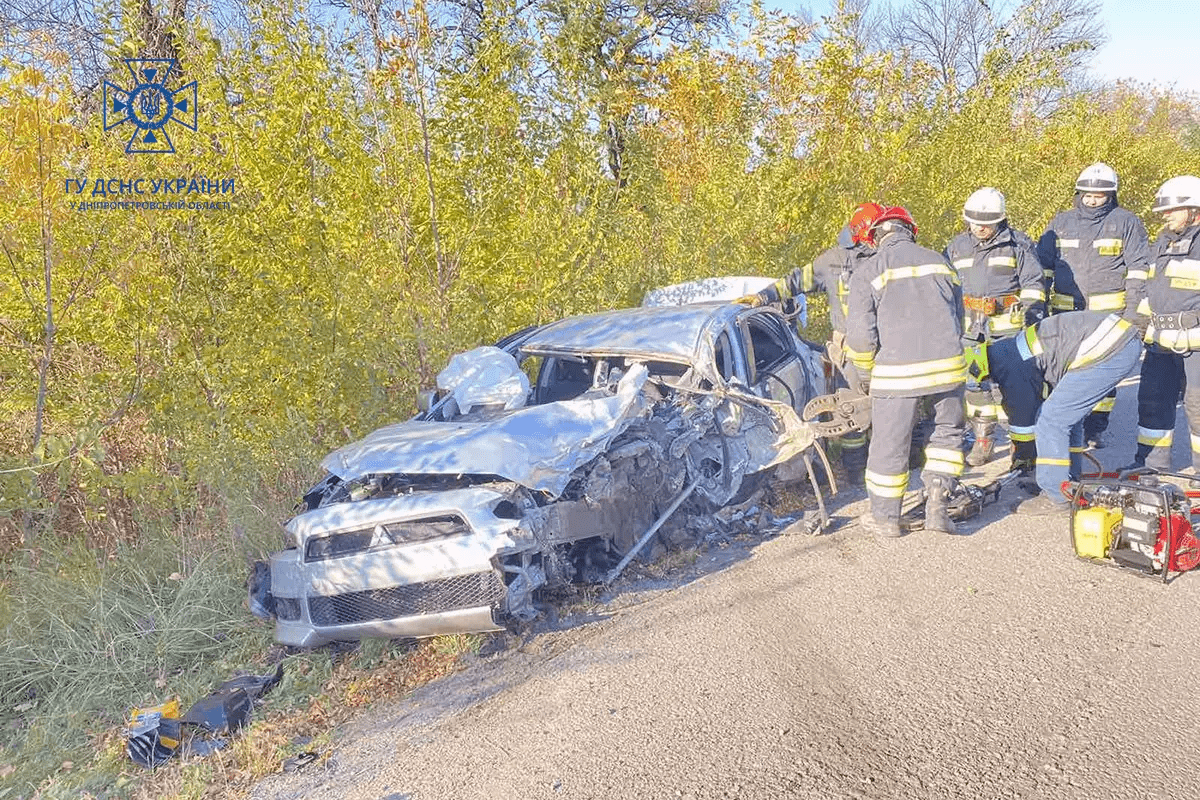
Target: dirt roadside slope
988,665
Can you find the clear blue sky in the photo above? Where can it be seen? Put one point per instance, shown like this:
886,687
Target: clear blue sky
1152,41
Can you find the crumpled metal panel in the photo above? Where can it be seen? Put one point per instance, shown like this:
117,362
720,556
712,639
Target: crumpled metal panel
484,376
537,447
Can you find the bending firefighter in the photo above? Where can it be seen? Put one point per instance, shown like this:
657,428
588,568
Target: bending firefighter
1097,257
830,273
1172,312
904,330
1079,356
1002,293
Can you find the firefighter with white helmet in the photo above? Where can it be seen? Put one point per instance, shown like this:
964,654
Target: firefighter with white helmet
1171,314
904,329
1002,293
1097,256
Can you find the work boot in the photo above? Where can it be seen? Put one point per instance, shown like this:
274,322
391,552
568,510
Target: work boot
981,452
1042,506
880,527
985,443
1129,470
937,505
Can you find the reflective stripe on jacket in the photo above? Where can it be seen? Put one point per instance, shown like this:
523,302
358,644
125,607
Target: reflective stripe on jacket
1005,265
1174,286
1096,252
905,320
1072,341
1023,365
829,273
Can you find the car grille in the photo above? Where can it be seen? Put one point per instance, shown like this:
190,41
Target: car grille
378,537
446,594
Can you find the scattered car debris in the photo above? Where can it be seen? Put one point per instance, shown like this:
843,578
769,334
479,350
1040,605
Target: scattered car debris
300,761
155,734
631,422
152,734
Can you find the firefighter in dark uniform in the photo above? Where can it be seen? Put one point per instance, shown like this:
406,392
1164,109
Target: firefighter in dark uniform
1002,293
1096,255
1079,356
1171,310
904,330
830,273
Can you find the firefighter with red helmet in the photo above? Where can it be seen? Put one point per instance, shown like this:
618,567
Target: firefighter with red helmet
1002,293
904,330
1096,256
830,273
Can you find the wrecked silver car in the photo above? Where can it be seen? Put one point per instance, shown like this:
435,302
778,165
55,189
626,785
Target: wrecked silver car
551,458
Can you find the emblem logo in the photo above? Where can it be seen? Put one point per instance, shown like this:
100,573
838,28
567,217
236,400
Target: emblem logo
150,105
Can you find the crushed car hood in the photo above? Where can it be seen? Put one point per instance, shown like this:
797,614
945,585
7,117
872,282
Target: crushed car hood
537,446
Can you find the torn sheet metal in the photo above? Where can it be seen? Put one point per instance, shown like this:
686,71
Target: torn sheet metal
484,376
537,446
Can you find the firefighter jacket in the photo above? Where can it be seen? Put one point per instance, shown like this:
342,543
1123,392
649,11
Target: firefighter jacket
1173,291
1043,353
1000,278
830,273
1096,258
904,328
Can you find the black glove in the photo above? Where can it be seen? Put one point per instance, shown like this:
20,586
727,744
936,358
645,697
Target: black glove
1034,313
1140,322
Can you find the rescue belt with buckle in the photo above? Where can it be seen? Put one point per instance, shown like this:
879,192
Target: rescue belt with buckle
991,306
1180,321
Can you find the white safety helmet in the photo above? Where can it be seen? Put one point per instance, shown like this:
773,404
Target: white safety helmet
1182,191
985,207
1099,177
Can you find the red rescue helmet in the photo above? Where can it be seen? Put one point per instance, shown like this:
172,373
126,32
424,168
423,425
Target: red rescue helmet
892,214
862,220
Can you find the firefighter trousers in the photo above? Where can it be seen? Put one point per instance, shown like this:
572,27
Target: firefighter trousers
892,423
1163,372
1059,427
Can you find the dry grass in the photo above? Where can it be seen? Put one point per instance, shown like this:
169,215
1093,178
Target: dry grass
320,691
290,724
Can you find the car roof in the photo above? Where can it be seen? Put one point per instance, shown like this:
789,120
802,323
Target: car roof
670,332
